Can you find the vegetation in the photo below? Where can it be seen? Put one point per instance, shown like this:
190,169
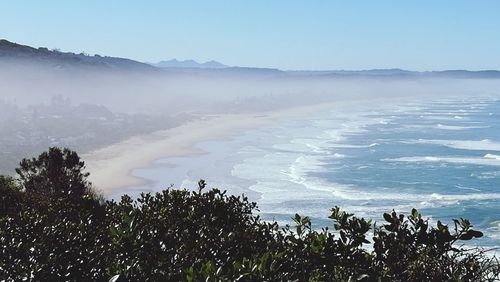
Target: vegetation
27,131
54,228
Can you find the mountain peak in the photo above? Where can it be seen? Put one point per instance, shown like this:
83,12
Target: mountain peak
174,63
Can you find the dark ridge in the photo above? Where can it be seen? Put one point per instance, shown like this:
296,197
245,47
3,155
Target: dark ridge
11,52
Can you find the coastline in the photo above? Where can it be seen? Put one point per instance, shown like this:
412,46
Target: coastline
111,167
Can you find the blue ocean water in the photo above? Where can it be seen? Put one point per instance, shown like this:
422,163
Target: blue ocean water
441,157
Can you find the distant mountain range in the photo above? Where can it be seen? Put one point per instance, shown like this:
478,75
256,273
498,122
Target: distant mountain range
11,52
189,64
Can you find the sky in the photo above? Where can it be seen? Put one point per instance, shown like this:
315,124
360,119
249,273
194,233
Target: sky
290,35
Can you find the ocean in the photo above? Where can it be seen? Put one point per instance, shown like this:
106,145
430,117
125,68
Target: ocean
441,156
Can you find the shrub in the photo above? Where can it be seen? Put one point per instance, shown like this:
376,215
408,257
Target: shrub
177,235
160,236
63,241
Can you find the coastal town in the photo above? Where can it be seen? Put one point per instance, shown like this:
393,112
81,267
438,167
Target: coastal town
27,131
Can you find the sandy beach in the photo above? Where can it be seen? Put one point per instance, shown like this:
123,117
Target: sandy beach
111,166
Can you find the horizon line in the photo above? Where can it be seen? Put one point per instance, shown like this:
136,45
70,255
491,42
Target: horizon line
259,67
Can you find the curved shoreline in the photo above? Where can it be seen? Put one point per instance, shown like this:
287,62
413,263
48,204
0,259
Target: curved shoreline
111,167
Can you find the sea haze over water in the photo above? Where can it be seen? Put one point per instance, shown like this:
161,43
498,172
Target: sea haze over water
441,157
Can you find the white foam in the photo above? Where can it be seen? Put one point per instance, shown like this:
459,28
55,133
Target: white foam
351,146
454,160
338,156
456,127
485,144
312,145
467,188
443,117
492,156
351,192
487,175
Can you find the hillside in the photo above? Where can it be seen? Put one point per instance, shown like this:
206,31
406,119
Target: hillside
11,52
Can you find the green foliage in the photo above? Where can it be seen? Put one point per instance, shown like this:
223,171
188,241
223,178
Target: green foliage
57,173
8,183
10,196
180,235
63,241
162,235
408,249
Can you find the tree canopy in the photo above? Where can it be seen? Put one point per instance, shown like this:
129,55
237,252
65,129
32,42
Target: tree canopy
55,173
207,235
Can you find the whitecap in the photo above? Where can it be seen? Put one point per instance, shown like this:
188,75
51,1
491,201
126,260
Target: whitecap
492,156
467,188
352,146
454,160
456,127
485,144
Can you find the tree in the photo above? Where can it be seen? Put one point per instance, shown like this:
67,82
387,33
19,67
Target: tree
181,235
55,173
7,182
10,196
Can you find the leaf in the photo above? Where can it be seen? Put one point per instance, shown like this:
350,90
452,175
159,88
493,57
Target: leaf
363,277
296,218
475,233
466,236
388,217
115,278
414,213
440,226
342,235
114,231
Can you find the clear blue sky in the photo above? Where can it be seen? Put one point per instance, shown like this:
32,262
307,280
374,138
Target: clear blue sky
307,34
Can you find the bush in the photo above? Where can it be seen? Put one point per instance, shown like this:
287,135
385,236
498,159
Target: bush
62,241
160,236
178,235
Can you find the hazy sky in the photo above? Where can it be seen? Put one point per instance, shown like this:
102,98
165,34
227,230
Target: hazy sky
417,35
